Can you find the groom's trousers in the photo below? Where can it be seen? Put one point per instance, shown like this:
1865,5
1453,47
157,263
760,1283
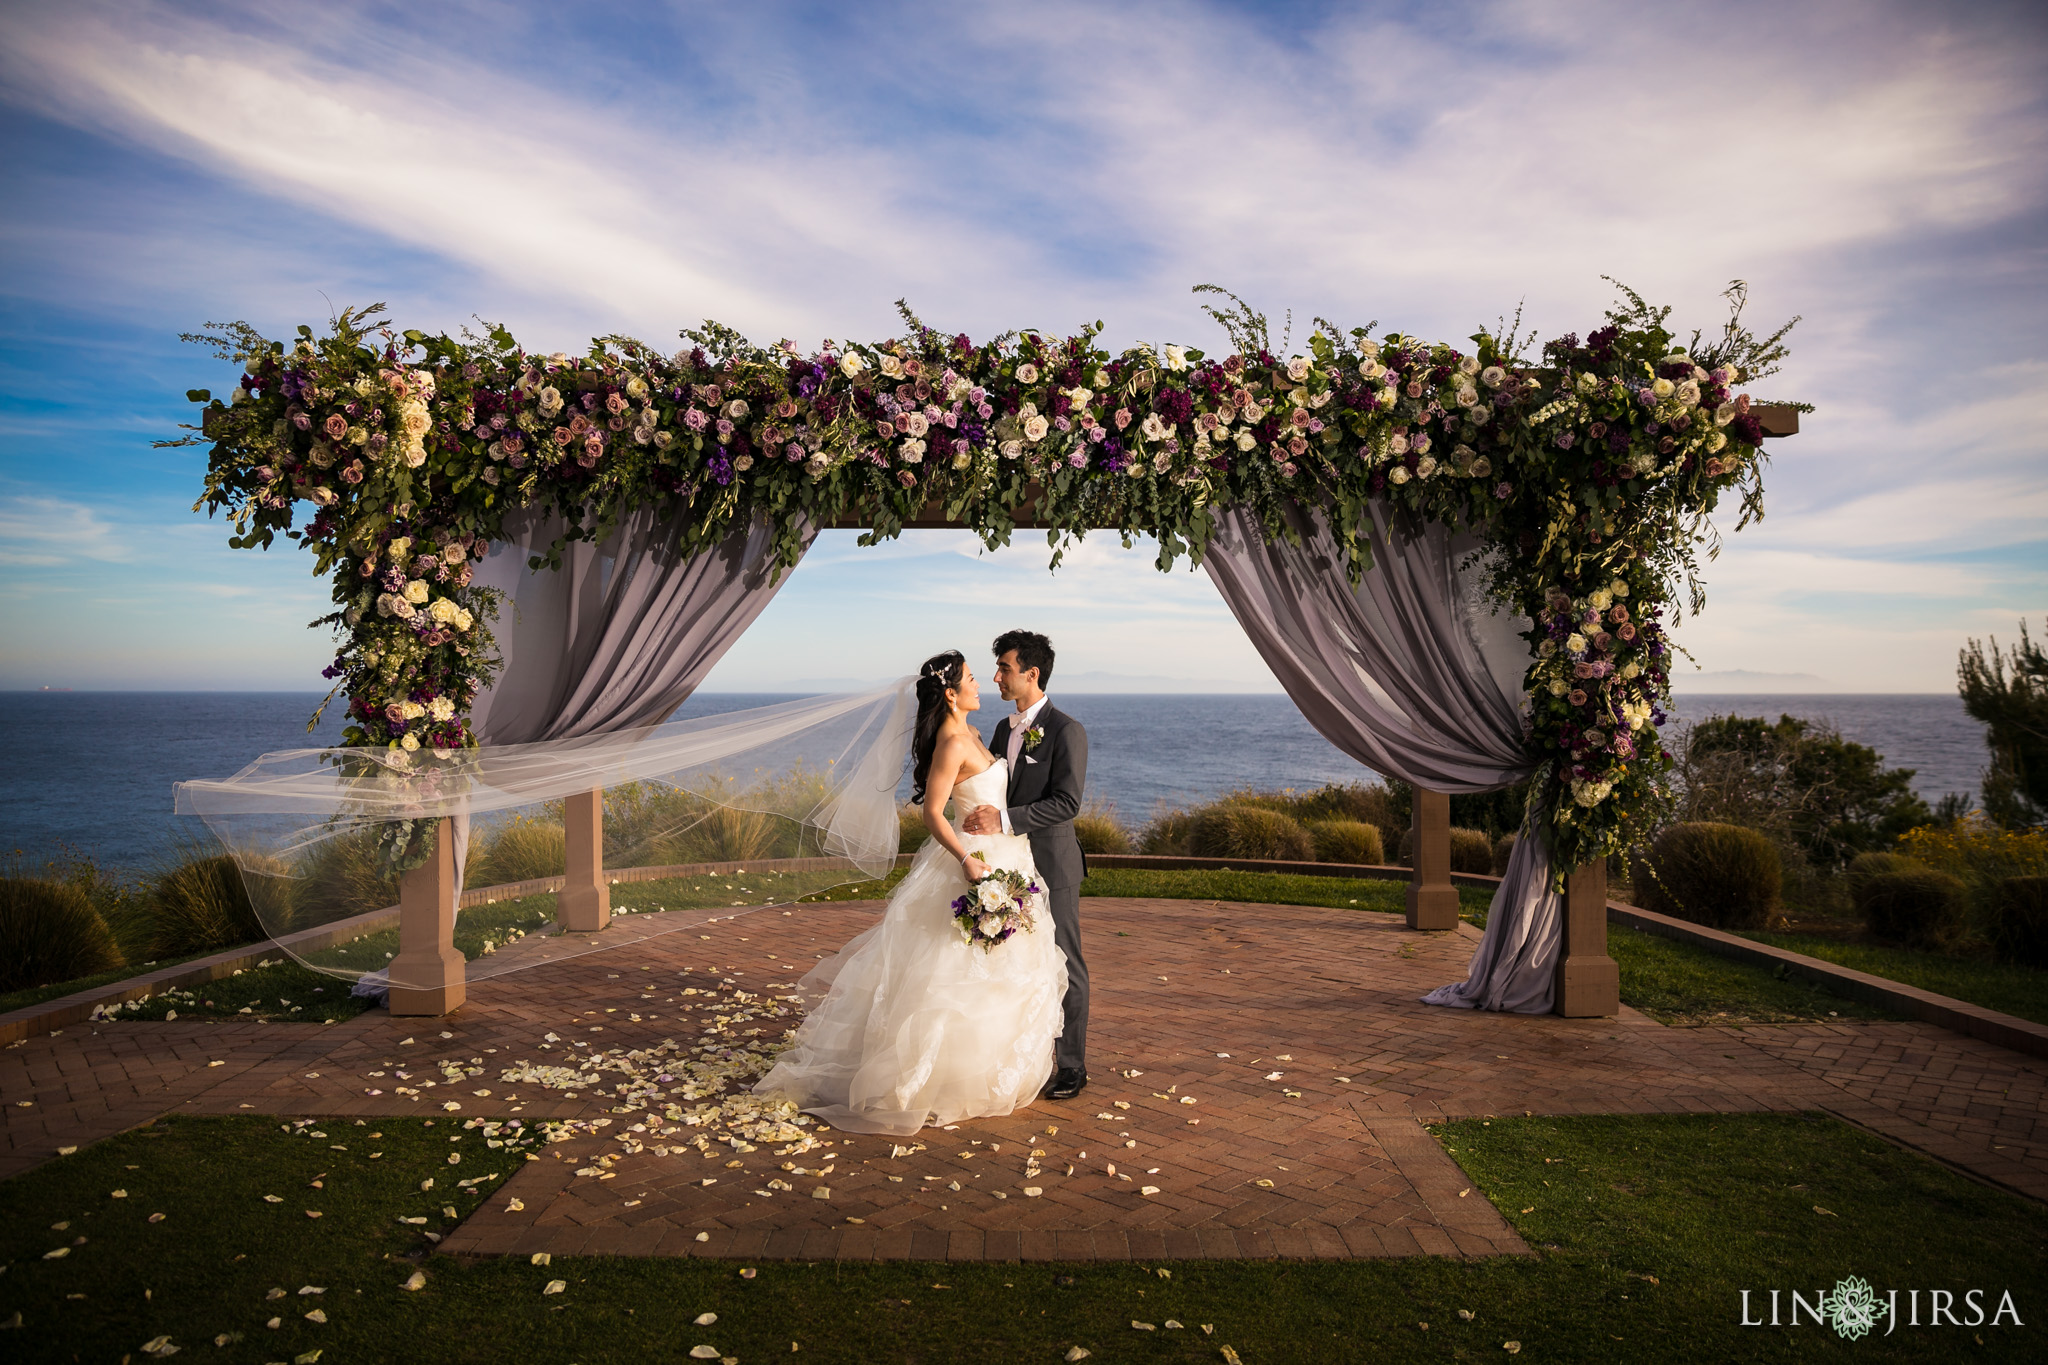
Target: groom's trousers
1070,1050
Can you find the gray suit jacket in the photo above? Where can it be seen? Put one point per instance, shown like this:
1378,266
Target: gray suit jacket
1045,794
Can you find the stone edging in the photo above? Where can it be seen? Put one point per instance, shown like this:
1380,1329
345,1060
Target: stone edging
2021,1035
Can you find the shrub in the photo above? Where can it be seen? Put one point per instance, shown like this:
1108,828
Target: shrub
1346,841
1099,831
1722,875
1253,832
1864,866
49,931
343,876
1916,908
1976,851
522,849
1168,833
2019,923
202,904
1503,849
1471,850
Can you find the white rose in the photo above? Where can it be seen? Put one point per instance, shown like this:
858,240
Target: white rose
1425,466
892,366
1010,450
1370,368
1398,474
413,710
1035,426
1676,358
1080,398
1619,587
463,620
442,709
914,423
990,925
1630,670
1575,643
416,590
1481,415
1601,599
1724,414
1717,442
325,496
399,549
851,364
1245,440
550,400
913,451
1176,358
1482,467
1689,393
1398,446
413,419
1468,366
636,388
411,744
1662,387
1493,376
1298,368
1468,398
1153,427
1588,382
737,409
1557,688
1027,373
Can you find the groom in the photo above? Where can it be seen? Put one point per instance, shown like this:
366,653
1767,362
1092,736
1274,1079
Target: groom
1048,754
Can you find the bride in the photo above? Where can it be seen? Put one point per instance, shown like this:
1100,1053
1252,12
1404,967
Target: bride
915,1024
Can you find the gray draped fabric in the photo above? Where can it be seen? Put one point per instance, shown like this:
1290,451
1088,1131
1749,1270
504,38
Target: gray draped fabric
619,636
1416,675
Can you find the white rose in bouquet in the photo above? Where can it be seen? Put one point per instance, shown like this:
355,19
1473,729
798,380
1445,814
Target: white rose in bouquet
990,925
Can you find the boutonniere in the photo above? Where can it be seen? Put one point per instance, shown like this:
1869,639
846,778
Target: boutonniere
1033,738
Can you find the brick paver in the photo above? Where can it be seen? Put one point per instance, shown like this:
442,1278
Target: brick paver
1199,1000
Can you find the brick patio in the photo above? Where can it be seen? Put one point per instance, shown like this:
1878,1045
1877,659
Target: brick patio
1326,997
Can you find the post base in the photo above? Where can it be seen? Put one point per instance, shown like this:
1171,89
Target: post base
1588,988
583,909
437,983
1432,907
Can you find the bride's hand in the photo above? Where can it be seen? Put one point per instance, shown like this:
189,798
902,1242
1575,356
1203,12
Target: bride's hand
974,867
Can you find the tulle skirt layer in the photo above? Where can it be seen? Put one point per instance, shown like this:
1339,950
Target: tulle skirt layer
910,1025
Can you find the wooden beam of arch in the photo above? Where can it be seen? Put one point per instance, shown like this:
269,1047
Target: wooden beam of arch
1777,419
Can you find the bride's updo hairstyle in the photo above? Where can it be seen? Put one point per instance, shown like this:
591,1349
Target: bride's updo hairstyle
940,672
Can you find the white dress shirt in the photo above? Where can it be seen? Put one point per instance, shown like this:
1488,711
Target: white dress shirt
1021,722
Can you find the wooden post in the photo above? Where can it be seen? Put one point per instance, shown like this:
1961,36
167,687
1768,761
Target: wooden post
428,976
1588,981
1432,900
585,902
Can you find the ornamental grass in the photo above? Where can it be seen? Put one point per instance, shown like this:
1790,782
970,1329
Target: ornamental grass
526,848
1709,873
1916,907
1099,831
202,904
49,931
1347,841
1471,851
2019,925
343,876
1252,832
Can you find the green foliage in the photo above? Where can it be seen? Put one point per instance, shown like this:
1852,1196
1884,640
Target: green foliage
1710,873
1234,830
1346,841
526,848
1914,907
2013,707
49,931
2019,927
1828,797
1864,866
1099,831
1471,851
202,904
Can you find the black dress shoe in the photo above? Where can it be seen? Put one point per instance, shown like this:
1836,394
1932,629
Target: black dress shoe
1066,1083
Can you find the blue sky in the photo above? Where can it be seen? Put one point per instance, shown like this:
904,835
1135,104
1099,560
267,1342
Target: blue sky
573,170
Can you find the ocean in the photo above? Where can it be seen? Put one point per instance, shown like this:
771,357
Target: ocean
92,771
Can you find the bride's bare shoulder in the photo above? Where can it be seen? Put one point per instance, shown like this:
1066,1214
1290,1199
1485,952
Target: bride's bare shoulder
965,750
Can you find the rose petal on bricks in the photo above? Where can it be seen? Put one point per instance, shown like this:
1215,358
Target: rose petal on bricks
1148,1189
703,1236
1263,1184
514,1205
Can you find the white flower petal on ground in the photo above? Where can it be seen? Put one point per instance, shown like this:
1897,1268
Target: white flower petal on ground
706,1319
417,1280
555,1287
703,1353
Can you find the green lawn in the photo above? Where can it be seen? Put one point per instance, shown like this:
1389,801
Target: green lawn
2003,986
1645,1231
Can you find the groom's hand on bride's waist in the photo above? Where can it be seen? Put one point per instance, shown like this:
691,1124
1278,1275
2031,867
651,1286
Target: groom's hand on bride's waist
983,820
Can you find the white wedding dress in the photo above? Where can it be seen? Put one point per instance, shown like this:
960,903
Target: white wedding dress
912,1025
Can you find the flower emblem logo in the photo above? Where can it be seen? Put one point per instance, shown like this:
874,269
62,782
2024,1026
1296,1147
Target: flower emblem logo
1853,1308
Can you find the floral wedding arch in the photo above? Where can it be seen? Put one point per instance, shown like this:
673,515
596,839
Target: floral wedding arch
1571,489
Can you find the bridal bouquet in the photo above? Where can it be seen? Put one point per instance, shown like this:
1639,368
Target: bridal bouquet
996,907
